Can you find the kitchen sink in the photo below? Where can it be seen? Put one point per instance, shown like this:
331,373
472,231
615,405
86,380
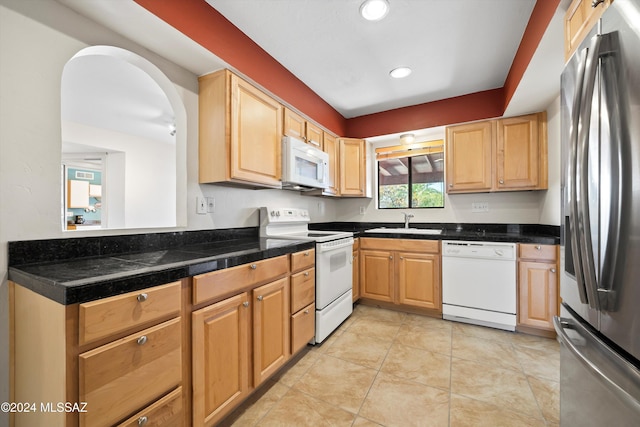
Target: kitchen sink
401,230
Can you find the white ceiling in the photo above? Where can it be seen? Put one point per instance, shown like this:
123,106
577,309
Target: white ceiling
455,47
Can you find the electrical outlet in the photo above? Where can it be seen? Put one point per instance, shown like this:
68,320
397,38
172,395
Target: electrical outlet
211,205
201,205
480,207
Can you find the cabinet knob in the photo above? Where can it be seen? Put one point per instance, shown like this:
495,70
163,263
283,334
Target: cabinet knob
596,3
306,274
306,311
538,247
450,185
142,340
245,304
142,421
401,257
260,297
553,270
253,266
390,256
142,297
501,181
306,254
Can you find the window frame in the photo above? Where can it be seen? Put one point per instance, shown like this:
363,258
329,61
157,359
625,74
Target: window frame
409,152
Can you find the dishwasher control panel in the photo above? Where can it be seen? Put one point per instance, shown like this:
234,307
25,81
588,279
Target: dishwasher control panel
491,250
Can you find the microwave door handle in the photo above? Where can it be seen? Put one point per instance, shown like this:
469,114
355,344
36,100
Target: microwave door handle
572,178
613,109
582,172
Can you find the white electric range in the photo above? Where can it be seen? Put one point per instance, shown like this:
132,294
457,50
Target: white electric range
334,263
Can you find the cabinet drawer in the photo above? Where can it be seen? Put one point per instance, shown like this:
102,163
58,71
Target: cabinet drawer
303,289
105,317
218,284
121,377
538,252
414,245
164,412
303,259
303,327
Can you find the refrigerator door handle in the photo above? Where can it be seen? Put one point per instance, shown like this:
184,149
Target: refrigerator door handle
614,113
571,180
582,180
561,325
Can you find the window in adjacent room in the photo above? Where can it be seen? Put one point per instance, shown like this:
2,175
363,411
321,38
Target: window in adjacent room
411,176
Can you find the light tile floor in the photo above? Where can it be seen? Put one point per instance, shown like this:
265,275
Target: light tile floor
385,368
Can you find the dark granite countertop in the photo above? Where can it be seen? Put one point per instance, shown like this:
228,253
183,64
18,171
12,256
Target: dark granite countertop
514,233
82,279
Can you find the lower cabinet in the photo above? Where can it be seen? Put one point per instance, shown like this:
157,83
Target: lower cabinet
220,337
537,288
406,272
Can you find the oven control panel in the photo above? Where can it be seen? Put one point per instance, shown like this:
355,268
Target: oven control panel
282,215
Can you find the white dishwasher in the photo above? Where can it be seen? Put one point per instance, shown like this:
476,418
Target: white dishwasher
479,283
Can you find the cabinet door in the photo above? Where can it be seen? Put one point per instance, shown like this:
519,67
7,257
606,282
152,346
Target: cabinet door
376,275
578,21
270,329
77,194
517,153
332,148
220,335
294,125
356,276
256,131
469,157
419,280
314,135
352,167
538,291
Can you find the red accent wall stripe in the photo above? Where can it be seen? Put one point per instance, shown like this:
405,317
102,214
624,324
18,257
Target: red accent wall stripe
206,26
540,18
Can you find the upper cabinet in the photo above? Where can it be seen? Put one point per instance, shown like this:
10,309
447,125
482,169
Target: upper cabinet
332,148
240,131
497,155
352,160
580,18
298,127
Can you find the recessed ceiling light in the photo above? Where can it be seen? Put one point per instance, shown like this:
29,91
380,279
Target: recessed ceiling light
400,72
374,10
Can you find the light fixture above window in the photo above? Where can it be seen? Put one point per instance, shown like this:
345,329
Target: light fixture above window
407,138
400,72
374,10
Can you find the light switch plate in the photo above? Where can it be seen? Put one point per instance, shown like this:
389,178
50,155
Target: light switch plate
201,205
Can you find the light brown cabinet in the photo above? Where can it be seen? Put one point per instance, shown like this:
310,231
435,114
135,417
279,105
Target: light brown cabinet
332,148
220,372
579,19
303,296
537,288
298,127
120,355
507,154
352,161
240,132
404,272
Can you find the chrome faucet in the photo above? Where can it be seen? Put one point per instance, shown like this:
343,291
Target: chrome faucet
407,218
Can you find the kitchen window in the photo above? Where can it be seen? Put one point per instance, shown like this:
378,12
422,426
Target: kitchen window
411,176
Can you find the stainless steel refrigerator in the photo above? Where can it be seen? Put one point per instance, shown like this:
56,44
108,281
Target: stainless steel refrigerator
599,327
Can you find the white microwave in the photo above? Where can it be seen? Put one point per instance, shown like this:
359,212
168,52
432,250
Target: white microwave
304,167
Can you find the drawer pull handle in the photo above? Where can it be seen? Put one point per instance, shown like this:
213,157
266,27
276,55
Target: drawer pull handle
553,270
260,297
306,274
142,297
253,266
306,254
245,304
142,421
142,340
538,247
306,311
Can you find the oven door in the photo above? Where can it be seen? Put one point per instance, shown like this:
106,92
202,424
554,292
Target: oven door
334,270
